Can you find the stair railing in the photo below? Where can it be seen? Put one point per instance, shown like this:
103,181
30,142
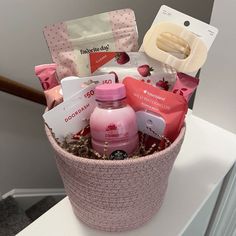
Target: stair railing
21,90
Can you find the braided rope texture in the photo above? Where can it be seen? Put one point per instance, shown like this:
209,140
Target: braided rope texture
116,195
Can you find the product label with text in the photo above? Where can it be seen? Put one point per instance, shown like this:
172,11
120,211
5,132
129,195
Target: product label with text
169,106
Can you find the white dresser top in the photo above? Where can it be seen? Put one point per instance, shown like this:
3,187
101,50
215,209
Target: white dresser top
207,154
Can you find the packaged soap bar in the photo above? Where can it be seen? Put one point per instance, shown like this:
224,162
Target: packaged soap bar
135,64
159,112
110,31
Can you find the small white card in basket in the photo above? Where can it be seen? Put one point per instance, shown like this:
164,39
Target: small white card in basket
73,115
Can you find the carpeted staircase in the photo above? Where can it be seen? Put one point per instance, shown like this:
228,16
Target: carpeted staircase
13,219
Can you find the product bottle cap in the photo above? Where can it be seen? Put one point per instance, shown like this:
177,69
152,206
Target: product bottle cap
110,92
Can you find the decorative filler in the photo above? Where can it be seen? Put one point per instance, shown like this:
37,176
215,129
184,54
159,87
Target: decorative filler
80,146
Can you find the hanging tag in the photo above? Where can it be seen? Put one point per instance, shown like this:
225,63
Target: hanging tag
150,123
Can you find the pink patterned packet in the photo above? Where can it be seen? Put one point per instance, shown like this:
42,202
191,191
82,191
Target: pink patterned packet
47,75
48,79
185,85
110,31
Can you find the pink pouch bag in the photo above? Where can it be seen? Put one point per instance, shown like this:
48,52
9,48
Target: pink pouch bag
185,85
169,106
48,79
110,31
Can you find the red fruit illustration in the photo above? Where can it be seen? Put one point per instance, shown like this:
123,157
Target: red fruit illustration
163,84
116,76
111,127
122,58
145,70
83,132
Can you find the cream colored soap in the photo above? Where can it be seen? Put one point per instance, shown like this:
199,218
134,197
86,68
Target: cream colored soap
176,46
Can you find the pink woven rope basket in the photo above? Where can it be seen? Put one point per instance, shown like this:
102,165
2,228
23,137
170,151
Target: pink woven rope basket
116,195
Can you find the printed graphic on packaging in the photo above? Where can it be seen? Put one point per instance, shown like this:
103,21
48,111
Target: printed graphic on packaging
72,115
135,64
69,41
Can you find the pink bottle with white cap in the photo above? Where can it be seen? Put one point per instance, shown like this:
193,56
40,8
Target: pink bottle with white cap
113,123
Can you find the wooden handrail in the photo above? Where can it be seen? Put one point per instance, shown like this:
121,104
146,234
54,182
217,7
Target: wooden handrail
21,90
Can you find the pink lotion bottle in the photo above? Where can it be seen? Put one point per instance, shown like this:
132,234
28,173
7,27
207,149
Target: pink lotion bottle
113,123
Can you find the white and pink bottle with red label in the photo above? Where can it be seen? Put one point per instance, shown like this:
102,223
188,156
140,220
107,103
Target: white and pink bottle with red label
113,123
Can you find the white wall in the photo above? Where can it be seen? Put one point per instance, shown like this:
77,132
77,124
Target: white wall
26,159
216,96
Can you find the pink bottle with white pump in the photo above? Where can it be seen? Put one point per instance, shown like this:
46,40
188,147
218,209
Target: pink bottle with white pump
113,123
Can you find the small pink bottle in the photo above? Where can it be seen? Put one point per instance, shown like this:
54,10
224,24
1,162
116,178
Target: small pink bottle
113,123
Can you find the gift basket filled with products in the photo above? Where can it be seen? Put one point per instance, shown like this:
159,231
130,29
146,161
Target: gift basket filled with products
115,112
